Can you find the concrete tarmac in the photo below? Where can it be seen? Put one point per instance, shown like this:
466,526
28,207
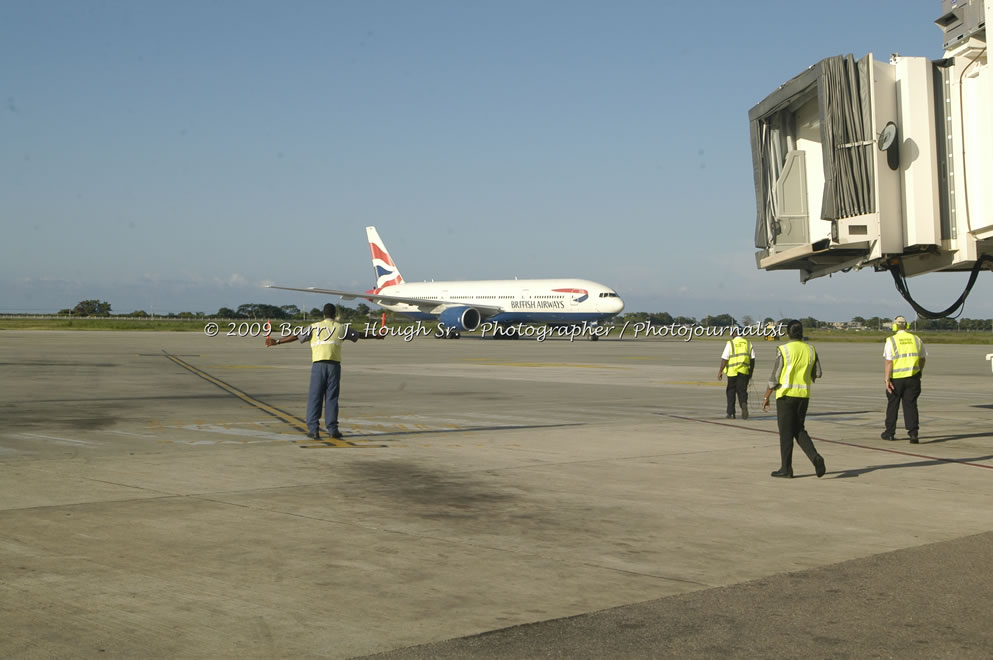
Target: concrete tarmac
491,498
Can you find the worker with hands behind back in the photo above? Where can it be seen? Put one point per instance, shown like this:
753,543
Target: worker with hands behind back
904,355
738,362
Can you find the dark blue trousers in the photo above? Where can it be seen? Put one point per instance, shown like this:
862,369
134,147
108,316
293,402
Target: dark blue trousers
325,385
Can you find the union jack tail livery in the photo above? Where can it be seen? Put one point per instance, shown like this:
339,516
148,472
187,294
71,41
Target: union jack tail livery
387,273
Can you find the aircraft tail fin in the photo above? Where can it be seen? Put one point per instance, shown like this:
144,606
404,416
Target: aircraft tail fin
387,273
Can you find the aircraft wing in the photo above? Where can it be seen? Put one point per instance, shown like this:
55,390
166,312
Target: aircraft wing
424,304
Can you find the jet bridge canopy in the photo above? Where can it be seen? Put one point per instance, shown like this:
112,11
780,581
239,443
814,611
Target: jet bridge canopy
885,164
813,156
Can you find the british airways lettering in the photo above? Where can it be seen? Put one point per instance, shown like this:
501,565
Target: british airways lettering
537,304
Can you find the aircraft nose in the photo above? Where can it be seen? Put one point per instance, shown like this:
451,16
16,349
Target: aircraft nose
617,305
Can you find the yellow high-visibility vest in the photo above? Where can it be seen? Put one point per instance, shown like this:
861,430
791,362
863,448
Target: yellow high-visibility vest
740,361
798,365
907,349
325,340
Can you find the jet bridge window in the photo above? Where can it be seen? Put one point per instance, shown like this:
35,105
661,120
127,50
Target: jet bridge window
816,127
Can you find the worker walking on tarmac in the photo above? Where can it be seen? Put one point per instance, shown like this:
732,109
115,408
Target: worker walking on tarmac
738,362
795,370
904,355
325,338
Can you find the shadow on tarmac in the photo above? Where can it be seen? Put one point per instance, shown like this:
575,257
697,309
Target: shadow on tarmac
929,463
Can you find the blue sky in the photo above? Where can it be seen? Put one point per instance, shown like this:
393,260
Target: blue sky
173,156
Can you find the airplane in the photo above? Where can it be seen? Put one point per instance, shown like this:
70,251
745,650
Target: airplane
466,304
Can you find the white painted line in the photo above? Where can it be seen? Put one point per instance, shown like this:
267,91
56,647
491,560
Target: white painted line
252,433
52,437
137,435
466,420
389,422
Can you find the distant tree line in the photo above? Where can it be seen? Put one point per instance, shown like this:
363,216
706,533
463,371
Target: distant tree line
718,321
877,323
292,312
874,323
99,308
363,312
89,308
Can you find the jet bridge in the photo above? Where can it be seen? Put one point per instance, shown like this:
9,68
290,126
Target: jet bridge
889,164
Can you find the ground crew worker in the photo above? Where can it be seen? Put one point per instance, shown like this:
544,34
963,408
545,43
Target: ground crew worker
738,362
325,338
795,370
904,355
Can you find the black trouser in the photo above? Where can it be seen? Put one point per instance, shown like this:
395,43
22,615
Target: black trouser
906,390
737,385
790,413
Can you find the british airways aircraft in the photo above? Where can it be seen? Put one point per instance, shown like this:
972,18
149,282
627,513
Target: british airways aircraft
463,305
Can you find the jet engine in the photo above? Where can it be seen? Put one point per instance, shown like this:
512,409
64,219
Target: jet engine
461,318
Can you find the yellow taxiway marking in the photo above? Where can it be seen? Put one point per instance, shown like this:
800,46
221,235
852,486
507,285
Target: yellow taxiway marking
295,422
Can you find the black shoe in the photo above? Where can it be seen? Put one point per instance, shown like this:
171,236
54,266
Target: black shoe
886,435
913,437
313,435
336,435
819,466
744,411
785,474
731,416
